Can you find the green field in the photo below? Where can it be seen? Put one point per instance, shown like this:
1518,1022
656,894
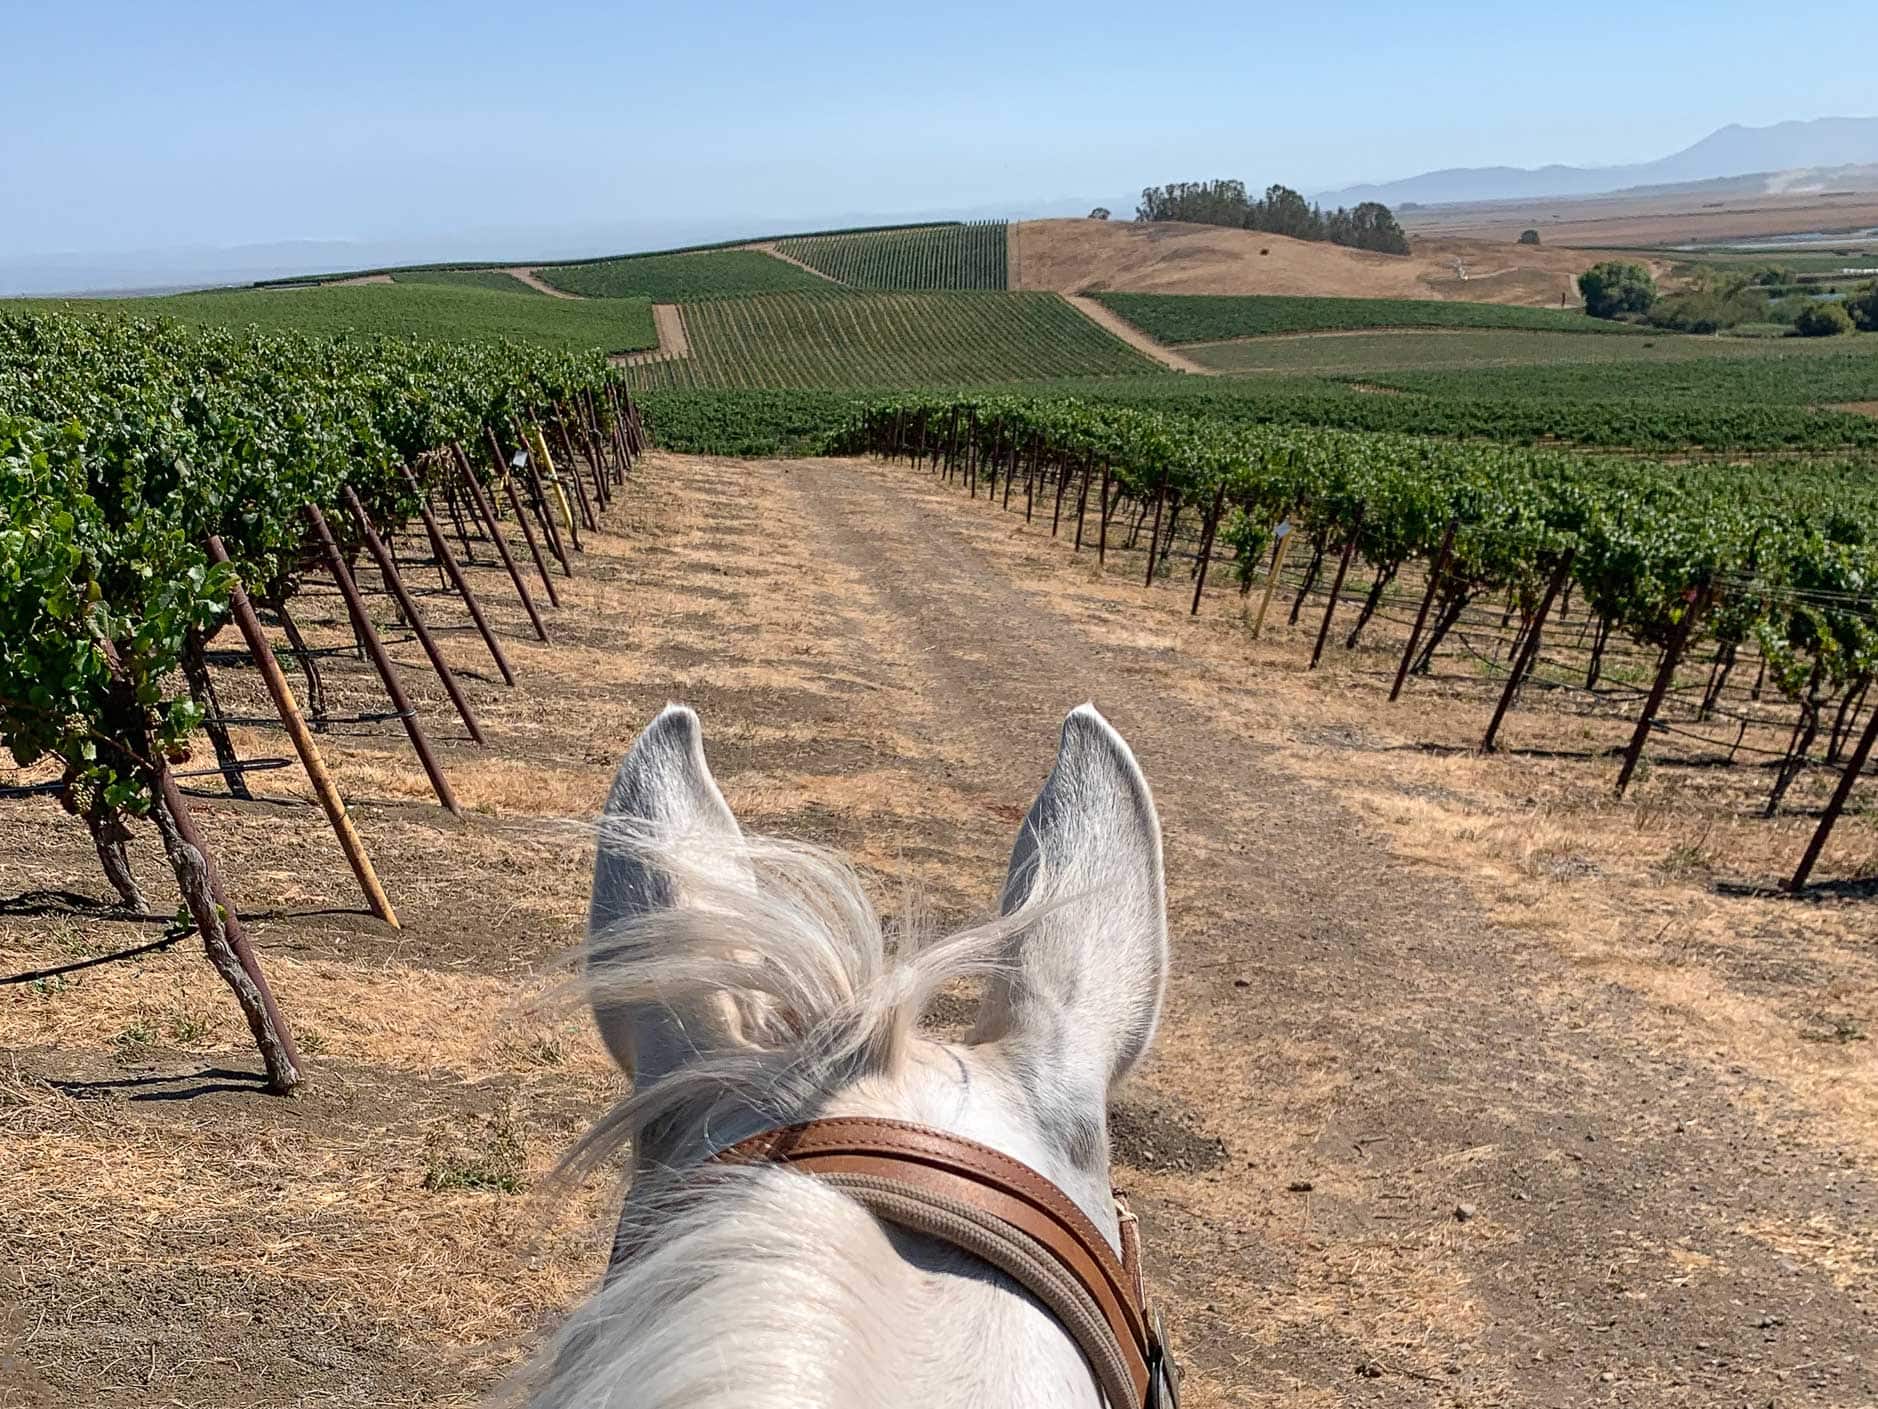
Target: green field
1464,349
682,278
1190,318
444,311
939,257
837,339
468,279
1783,372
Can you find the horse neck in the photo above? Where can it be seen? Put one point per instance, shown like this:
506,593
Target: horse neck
790,1294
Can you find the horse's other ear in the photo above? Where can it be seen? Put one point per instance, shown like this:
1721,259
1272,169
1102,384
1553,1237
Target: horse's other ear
1081,993
664,801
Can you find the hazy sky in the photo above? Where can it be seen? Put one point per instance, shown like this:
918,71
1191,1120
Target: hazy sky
140,126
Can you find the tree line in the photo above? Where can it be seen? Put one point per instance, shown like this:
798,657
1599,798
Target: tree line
1281,211
1718,300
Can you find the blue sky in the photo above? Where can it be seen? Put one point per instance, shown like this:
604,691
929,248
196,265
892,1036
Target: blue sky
139,126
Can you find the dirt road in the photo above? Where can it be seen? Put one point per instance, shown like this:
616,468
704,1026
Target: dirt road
1374,1055
1390,1149
1120,327
526,274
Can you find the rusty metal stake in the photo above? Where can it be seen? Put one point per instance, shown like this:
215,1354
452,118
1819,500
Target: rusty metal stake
461,583
480,502
368,634
288,708
408,605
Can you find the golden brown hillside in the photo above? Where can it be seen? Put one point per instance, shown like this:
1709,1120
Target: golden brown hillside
1077,256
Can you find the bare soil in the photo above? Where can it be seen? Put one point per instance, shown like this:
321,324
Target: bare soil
770,248
1474,1088
526,274
1097,256
1120,327
668,320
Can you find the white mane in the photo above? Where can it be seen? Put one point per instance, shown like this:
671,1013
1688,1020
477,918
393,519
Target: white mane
752,1287
747,984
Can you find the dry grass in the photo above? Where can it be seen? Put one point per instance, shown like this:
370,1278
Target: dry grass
1097,256
189,1251
1626,889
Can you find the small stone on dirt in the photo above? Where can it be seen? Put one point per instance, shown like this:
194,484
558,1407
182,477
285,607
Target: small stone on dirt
1369,1370
1463,1212
1242,983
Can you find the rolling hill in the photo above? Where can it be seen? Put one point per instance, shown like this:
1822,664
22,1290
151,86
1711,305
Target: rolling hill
1113,256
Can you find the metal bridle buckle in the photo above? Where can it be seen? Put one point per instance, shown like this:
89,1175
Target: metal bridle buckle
1163,1374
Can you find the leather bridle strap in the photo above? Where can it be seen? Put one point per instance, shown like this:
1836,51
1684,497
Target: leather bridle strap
1001,1211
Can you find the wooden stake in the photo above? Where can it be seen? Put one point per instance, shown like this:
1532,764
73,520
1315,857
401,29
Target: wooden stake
408,605
548,504
304,744
573,474
1271,581
1082,500
368,635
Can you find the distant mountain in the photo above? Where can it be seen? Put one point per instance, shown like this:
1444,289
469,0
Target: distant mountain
1732,151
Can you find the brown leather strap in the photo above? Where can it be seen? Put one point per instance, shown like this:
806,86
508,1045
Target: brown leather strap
946,1166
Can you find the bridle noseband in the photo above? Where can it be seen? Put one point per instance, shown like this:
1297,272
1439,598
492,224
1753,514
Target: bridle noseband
1002,1212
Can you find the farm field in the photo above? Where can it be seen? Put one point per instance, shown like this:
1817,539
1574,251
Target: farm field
1786,371
1407,975
495,279
1465,349
1698,418
1177,319
971,256
837,339
681,278
447,311
1634,221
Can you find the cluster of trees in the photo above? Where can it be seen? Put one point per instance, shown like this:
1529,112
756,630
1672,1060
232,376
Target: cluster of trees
1281,211
1718,300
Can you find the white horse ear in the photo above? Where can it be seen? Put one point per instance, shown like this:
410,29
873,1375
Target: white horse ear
1081,993
663,796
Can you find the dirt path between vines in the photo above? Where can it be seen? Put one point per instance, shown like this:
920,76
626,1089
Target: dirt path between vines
1402,1141
668,320
775,252
1113,323
525,273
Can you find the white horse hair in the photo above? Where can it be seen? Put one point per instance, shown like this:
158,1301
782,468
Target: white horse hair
746,984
